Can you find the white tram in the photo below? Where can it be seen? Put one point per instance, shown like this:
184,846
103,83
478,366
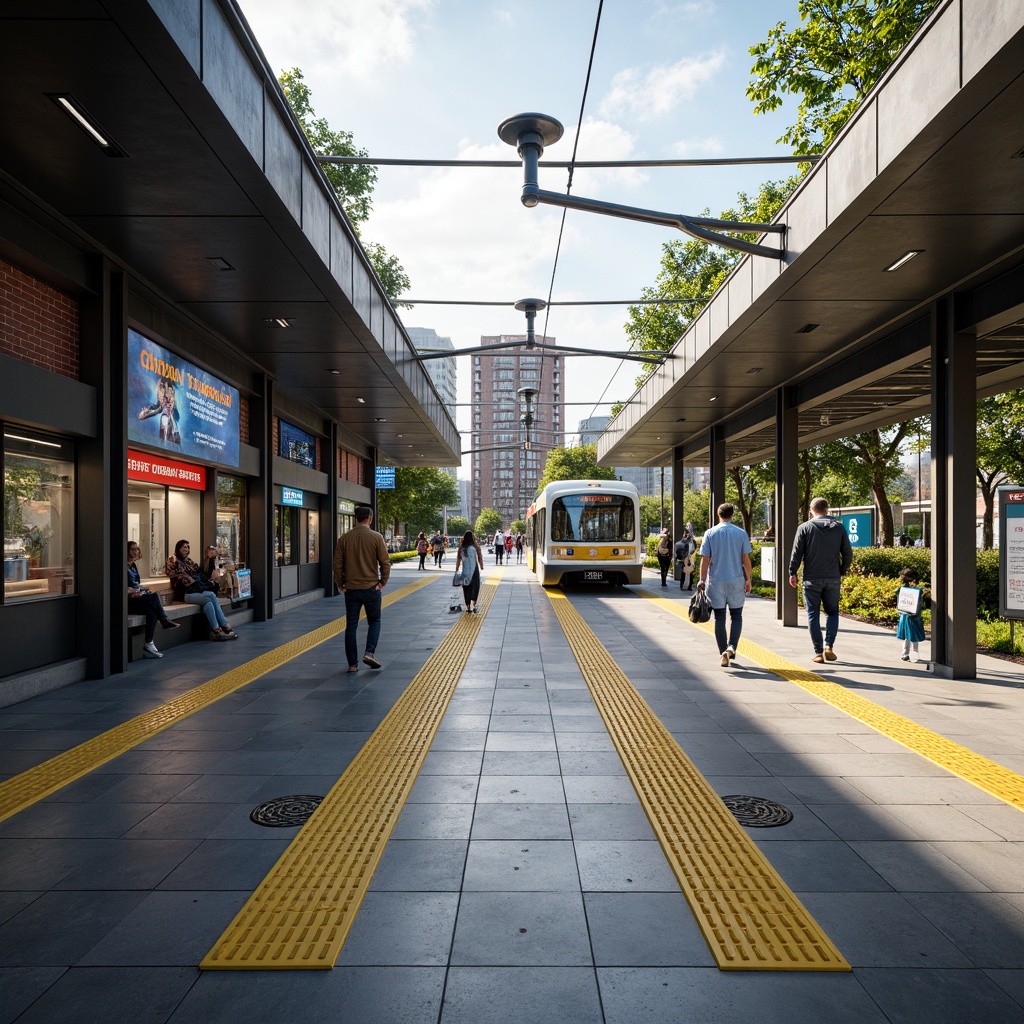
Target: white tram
586,531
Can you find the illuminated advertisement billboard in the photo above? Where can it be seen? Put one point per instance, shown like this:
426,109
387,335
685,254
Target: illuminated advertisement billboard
174,405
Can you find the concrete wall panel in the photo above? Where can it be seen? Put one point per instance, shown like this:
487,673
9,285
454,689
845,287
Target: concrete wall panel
283,165
316,215
181,19
987,25
808,213
740,287
853,164
342,256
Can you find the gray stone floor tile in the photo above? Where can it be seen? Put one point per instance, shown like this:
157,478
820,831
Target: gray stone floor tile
591,762
1002,819
181,821
826,866
521,723
452,762
517,789
881,930
463,722
166,929
584,741
623,866
148,788
412,929
59,927
444,789
130,864
520,866
1000,866
114,995
939,997
520,741
521,930
862,822
641,929
92,820
22,986
521,821
227,864
982,925
12,903
460,741
941,823
598,789
220,789
609,822
711,996
521,995
420,865
39,864
434,821
916,867
521,762
1011,982
362,995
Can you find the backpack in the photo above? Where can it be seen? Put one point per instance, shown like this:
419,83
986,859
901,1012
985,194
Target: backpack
664,546
421,547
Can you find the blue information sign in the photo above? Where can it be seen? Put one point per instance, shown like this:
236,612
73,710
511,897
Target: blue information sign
290,496
385,478
859,528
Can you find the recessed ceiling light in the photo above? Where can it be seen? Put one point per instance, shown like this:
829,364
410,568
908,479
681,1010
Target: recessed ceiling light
331,369
905,258
807,328
682,419
399,435
87,123
713,398
755,369
220,263
379,419
278,321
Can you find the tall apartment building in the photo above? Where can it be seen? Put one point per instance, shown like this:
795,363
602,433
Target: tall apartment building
505,470
646,479
441,371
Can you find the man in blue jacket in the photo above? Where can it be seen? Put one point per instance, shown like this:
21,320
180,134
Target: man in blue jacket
823,547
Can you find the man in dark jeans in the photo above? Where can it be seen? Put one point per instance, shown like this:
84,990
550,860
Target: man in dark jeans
361,570
823,547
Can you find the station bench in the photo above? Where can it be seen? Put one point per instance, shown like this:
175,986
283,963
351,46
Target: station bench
193,622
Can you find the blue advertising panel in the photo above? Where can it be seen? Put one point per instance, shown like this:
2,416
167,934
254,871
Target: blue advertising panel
385,478
296,445
859,528
290,496
172,404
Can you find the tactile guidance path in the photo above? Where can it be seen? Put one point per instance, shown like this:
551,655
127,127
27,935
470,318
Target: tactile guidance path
26,788
750,918
300,915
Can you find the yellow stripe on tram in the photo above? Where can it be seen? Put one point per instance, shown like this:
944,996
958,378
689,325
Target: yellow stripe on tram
28,787
750,918
961,761
300,915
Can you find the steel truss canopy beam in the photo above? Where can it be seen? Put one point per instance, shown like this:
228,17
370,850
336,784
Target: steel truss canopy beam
725,161
531,132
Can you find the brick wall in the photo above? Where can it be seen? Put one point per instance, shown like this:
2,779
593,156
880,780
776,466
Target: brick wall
38,324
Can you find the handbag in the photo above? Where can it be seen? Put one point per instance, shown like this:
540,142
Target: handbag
700,607
458,580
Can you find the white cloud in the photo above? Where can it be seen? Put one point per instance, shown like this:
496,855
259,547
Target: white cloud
661,89
710,146
357,40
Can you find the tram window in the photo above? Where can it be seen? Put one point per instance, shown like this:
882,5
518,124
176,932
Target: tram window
592,518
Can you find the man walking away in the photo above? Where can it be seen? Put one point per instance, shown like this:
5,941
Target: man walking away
361,570
499,546
664,553
725,570
823,547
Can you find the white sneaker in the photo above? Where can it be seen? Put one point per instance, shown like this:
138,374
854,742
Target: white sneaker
150,651
731,651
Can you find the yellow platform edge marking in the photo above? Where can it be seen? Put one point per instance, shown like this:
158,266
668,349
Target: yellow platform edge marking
980,771
30,786
300,915
750,919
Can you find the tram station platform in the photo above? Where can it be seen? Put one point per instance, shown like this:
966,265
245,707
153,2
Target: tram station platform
521,823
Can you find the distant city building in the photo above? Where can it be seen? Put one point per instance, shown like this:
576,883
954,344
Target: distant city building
442,371
505,472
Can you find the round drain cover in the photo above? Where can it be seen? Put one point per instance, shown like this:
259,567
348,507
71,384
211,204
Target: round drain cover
757,812
284,811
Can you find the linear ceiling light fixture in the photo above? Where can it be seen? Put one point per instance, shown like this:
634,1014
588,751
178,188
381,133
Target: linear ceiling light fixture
278,321
903,260
220,263
88,124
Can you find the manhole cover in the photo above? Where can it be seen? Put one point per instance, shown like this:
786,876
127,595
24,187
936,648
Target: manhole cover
757,812
284,811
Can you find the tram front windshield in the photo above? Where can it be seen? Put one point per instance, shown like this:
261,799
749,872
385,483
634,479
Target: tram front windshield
593,518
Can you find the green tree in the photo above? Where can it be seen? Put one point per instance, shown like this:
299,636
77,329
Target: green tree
419,494
692,270
840,50
458,525
697,510
578,463
353,184
487,522
1000,460
749,487
650,513
519,526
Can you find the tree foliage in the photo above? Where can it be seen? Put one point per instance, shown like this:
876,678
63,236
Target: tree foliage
749,487
651,513
458,525
693,270
839,51
1000,458
419,495
488,521
579,463
353,184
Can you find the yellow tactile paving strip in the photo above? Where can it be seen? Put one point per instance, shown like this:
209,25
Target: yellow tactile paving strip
961,761
750,918
300,915
28,787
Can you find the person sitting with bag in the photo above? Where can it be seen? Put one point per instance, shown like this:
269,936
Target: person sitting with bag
192,586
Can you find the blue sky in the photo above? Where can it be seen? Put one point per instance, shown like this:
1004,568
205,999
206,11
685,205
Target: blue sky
434,78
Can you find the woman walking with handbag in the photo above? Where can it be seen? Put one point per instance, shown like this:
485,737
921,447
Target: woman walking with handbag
470,560
192,587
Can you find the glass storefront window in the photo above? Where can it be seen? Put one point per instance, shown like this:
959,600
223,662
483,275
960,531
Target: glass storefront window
286,535
39,515
312,536
231,519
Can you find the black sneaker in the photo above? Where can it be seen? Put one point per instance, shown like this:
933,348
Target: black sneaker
169,624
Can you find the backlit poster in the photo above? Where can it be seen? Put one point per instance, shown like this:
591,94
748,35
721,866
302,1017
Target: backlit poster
174,405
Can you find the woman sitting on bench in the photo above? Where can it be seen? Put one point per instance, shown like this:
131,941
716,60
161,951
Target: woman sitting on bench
144,602
192,587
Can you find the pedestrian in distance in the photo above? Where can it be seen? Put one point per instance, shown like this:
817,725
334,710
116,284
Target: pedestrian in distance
823,547
508,548
520,540
470,559
725,572
686,546
422,547
664,554
499,546
437,549
361,570
910,628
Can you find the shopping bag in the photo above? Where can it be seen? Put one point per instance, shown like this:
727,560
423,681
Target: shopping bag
700,607
458,580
